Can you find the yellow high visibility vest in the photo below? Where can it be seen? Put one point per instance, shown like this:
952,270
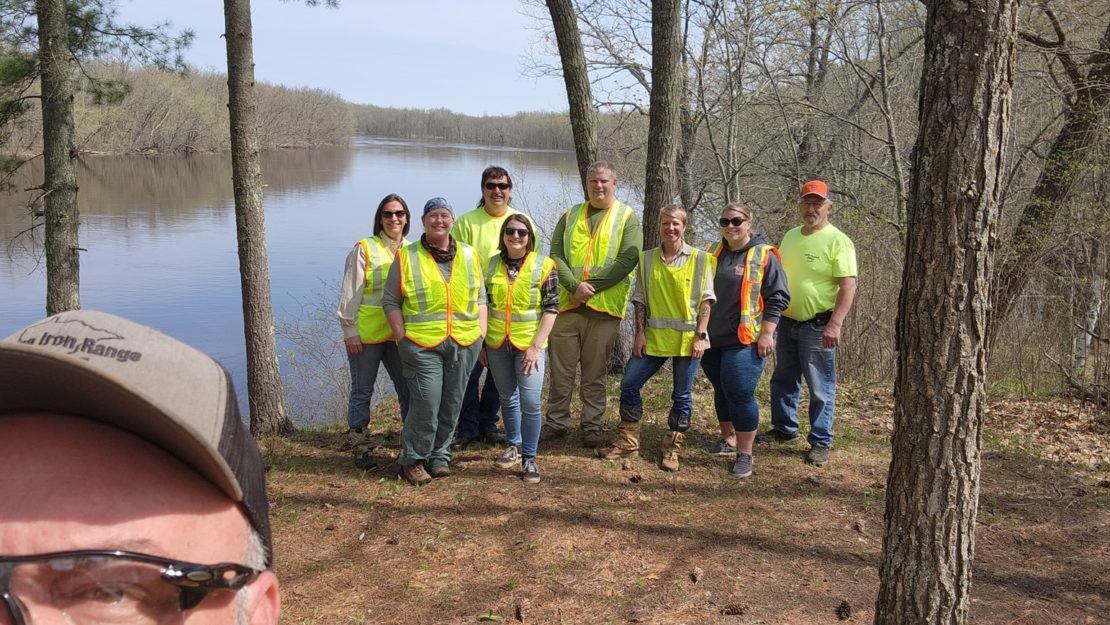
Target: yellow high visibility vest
751,286
433,308
585,249
671,296
372,324
515,309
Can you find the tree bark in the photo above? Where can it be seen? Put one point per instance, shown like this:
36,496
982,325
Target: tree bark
1066,160
665,113
264,388
943,313
583,116
61,216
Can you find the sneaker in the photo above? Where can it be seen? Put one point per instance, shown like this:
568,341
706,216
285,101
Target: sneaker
366,462
722,449
530,472
550,433
509,458
775,436
439,470
592,439
493,438
415,474
818,456
742,467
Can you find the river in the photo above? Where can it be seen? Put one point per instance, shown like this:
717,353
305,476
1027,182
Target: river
159,235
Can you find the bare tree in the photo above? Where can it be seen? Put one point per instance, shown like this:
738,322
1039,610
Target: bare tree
665,114
944,313
264,388
583,116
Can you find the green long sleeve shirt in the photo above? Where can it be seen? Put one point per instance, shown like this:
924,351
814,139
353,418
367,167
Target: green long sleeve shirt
601,276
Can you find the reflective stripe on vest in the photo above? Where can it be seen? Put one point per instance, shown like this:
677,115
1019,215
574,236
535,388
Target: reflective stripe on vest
751,297
372,324
671,296
585,249
515,309
433,308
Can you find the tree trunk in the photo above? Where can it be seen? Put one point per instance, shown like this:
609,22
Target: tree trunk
943,313
1066,160
63,279
582,114
1095,285
264,389
663,124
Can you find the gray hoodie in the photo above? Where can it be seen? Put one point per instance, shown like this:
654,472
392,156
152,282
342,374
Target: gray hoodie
725,318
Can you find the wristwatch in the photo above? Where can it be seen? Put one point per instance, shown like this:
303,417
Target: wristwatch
703,336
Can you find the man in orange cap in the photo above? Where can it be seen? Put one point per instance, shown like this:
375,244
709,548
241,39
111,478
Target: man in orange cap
820,265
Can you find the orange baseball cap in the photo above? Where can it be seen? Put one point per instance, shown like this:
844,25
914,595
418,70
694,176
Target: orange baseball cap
815,187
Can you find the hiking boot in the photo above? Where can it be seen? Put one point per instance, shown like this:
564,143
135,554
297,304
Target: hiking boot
415,474
366,462
592,439
439,470
817,456
462,442
509,458
671,446
775,436
551,432
742,467
530,471
358,440
627,442
721,449
493,437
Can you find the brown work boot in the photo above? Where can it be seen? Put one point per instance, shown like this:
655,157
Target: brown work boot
671,446
626,443
415,474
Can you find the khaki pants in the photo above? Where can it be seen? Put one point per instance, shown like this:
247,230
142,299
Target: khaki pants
578,340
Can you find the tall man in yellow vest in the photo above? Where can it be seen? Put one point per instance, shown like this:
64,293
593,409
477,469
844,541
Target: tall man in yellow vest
820,265
596,246
481,229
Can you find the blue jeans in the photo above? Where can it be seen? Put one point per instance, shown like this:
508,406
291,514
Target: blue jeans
640,369
734,374
521,407
479,412
799,354
364,373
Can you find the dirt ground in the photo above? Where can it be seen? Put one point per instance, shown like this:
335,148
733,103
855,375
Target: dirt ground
601,542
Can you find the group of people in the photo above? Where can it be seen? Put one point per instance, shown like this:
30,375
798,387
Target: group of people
475,293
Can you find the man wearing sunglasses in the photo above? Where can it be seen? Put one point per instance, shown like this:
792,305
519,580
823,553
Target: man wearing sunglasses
820,265
481,229
132,492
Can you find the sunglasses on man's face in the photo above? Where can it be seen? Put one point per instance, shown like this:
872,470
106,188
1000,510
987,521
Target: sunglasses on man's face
392,214
504,186
516,232
731,221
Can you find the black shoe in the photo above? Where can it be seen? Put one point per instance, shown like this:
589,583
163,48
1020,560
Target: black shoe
493,437
776,436
818,456
530,471
550,433
462,442
367,462
592,439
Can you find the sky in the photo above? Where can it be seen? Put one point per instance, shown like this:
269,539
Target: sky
469,56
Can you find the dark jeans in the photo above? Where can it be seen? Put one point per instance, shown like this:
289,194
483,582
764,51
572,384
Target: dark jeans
479,413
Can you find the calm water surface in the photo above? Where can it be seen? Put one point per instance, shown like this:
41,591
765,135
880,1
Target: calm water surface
161,248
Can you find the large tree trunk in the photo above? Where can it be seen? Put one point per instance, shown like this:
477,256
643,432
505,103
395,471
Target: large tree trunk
943,313
583,117
663,125
63,279
267,405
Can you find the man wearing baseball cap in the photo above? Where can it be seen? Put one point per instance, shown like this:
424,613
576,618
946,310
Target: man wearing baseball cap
131,491
820,265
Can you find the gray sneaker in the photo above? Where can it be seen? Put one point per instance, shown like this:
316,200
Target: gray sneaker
721,449
776,436
818,456
742,467
530,471
509,459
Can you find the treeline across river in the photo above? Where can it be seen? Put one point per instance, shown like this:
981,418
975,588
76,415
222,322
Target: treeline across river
149,111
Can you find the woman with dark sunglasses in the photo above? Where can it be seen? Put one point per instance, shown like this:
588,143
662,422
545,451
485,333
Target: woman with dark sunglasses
751,295
522,288
366,332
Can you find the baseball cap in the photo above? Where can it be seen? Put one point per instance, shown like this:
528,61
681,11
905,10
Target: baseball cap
99,366
815,187
437,203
